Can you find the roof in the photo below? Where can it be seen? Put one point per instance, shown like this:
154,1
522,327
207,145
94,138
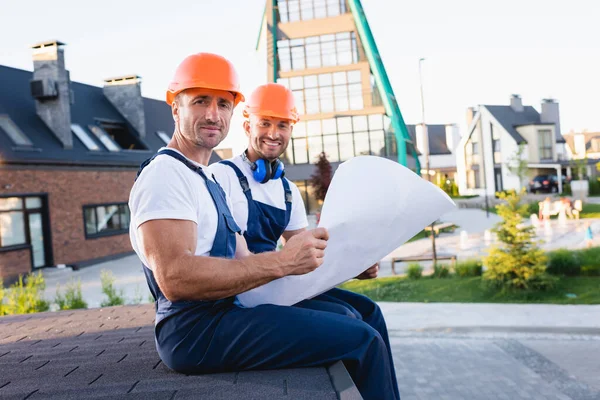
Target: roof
510,119
89,104
110,353
437,138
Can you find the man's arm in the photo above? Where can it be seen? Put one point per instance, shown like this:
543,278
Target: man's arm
169,246
370,273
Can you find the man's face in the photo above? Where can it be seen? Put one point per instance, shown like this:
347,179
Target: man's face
202,116
269,136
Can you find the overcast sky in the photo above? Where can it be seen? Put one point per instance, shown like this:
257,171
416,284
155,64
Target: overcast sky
477,52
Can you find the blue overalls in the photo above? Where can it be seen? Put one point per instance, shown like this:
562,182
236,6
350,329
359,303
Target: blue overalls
217,336
266,224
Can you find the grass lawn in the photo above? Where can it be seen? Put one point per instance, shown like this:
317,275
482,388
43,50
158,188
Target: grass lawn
471,290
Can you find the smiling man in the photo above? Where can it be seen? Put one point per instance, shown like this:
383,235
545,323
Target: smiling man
267,206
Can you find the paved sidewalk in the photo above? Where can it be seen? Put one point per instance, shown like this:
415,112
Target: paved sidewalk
495,351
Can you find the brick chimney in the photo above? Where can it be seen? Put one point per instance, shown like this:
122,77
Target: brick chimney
470,115
125,93
550,114
51,89
516,103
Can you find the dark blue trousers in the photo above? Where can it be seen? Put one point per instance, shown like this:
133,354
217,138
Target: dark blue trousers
357,306
224,337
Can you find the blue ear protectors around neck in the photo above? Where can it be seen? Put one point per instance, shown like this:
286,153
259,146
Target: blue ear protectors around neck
265,170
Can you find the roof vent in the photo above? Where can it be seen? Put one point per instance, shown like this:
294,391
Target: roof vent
43,89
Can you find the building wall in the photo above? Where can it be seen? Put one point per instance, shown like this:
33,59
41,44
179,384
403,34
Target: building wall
530,134
509,148
14,263
68,191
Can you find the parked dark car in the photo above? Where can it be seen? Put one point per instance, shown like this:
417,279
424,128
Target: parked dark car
545,183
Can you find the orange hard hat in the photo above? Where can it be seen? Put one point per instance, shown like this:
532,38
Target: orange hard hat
272,100
205,70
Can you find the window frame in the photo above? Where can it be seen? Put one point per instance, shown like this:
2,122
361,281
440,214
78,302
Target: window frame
113,232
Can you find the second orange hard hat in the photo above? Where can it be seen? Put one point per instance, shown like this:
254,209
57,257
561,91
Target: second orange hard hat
272,100
208,71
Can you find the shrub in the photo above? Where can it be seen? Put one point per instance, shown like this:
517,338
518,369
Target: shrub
441,271
563,262
518,262
72,299
590,270
590,256
114,297
594,186
414,271
25,295
468,268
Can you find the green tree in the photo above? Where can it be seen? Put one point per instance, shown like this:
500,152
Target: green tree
517,164
518,263
321,179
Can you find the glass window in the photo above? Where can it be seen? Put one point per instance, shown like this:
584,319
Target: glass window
12,228
314,128
341,98
313,56
328,54
285,59
124,214
311,81
11,203
164,137
84,137
325,80
346,146
320,9
344,124
296,83
545,144
315,147
300,151
33,202
339,78
330,146
299,97
333,8
299,129
13,131
312,101
298,61
283,11
377,143
106,219
293,10
307,10
354,77
329,126
104,138
356,98
326,94
90,220
375,122
360,123
344,52
361,144
284,81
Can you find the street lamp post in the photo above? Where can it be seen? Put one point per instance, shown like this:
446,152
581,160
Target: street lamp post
425,151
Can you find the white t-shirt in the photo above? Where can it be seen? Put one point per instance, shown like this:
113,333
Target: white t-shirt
168,189
270,193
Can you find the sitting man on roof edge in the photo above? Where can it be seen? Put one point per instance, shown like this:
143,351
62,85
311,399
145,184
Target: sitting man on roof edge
195,261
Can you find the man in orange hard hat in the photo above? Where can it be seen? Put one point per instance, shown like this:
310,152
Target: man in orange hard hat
196,263
267,206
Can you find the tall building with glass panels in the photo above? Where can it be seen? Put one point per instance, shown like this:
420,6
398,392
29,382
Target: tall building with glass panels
324,51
